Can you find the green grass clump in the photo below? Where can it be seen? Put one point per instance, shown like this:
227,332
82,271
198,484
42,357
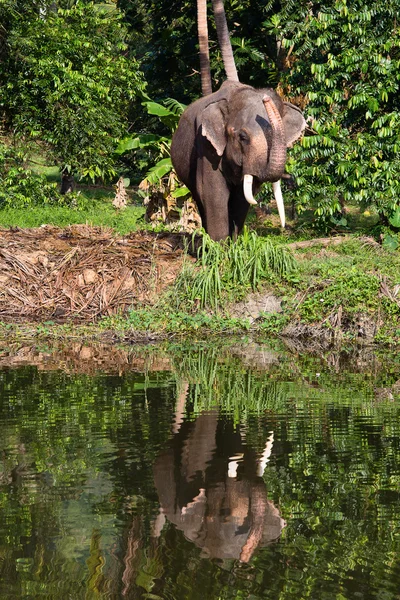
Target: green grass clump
164,320
227,270
345,280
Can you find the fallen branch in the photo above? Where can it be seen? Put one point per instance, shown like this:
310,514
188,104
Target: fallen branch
332,241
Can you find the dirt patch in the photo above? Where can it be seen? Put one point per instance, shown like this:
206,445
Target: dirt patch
82,273
361,328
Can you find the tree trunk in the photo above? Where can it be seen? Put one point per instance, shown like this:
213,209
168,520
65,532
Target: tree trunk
67,183
224,40
202,30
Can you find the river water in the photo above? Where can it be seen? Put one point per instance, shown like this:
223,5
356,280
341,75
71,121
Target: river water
200,472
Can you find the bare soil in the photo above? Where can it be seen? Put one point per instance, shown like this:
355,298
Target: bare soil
81,273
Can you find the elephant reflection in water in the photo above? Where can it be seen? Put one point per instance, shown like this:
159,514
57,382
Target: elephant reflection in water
210,487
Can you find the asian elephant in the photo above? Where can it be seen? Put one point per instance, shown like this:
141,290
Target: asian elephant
227,144
210,486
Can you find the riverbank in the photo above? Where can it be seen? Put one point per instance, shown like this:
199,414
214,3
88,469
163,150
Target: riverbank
83,282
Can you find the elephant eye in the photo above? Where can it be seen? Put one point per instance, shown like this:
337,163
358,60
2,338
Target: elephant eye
243,136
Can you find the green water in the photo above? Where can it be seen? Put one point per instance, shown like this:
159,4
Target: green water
228,474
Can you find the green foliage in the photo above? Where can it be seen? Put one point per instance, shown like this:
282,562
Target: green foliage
21,187
350,288
231,269
154,148
391,242
164,319
345,64
69,81
395,219
166,43
346,282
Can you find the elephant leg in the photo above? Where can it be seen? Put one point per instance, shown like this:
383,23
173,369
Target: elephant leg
214,193
199,205
238,209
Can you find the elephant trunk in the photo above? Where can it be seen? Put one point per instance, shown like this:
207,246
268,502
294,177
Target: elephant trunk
277,155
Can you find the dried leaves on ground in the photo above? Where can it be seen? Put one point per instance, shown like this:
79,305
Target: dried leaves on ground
82,273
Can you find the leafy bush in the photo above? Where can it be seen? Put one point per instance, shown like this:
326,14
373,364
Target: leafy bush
345,65
154,149
68,80
162,193
21,187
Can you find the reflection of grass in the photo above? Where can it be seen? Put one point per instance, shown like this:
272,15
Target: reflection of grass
219,378
227,384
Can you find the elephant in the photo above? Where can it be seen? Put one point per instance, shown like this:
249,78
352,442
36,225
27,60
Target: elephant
226,145
210,486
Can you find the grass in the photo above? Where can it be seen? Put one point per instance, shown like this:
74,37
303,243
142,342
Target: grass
227,271
346,280
93,212
319,284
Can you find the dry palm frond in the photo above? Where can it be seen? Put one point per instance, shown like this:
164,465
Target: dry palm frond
81,273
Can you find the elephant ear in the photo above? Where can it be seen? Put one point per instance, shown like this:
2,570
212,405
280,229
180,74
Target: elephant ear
213,125
293,122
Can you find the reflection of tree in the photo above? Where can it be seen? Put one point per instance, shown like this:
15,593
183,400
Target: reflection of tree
77,497
57,434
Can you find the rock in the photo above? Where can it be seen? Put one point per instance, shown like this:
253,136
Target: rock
89,276
86,353
255,305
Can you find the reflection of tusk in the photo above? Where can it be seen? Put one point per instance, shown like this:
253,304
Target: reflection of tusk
276,186
248,189
158,524
233,465
265,455
201,497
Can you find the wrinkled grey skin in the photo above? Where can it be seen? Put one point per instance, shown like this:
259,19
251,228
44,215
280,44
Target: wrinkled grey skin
223,136
227,517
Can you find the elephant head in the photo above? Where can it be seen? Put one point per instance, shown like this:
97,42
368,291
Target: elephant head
227,144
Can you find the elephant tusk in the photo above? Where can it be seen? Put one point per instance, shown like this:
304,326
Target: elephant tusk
276,186
248,189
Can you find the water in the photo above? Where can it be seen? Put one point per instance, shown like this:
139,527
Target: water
217,474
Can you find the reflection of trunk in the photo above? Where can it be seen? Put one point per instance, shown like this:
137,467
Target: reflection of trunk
203,45
259,508
224,40
67,183
95,564
132,547
182,391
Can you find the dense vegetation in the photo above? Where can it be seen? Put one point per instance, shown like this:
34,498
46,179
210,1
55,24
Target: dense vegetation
71,71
